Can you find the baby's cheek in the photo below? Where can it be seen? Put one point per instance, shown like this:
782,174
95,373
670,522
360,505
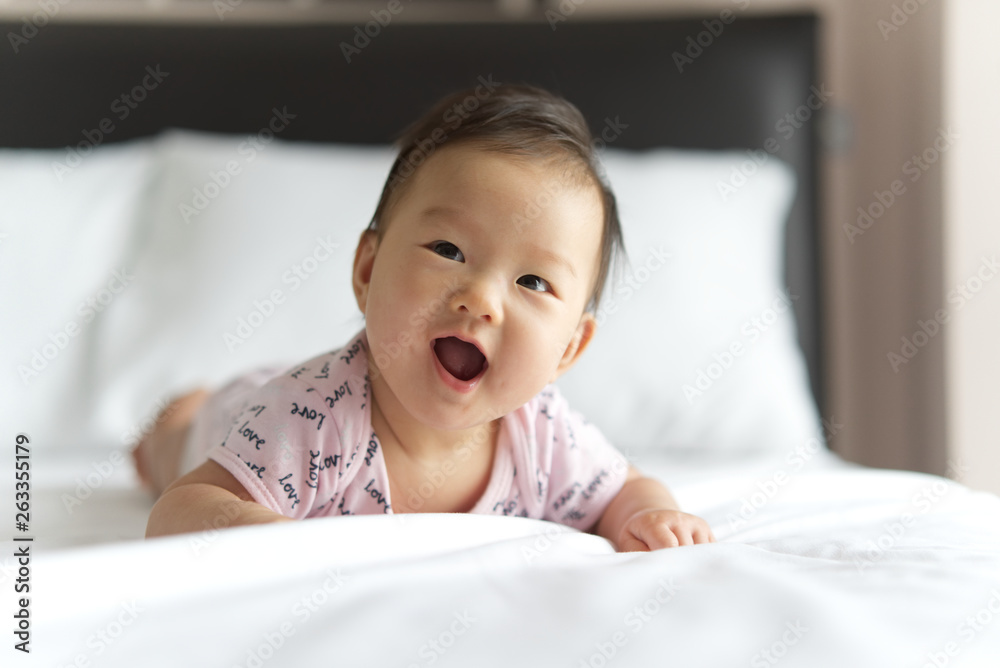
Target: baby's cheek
389,305
417,300
535,368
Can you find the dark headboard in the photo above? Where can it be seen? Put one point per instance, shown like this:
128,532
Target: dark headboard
228,78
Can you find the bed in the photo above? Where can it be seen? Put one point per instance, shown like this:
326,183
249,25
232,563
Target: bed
181,204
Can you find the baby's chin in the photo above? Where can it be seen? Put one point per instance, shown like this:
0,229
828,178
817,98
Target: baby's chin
444,417
463,416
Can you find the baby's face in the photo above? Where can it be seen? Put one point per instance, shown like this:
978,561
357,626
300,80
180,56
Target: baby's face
474,298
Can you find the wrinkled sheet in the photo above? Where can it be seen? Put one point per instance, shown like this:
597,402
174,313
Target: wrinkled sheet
818,563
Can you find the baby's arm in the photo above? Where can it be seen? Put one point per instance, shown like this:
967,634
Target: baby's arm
208,497
644,516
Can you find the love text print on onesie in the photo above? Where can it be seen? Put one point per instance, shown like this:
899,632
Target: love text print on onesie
316,466
249,433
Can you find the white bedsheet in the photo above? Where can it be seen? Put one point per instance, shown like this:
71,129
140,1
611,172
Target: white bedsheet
828,565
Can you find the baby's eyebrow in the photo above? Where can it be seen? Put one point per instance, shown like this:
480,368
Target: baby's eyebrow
555,258
439,211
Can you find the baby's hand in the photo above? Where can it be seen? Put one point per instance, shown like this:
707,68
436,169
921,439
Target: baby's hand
657,528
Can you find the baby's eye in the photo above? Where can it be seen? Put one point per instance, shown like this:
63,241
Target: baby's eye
448,250
535,283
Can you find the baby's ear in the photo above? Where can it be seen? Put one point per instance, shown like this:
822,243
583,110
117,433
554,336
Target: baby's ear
364,260
578,343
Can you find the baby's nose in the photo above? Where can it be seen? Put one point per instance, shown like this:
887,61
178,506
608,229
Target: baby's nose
480,298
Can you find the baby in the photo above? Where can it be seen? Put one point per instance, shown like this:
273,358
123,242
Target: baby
478,279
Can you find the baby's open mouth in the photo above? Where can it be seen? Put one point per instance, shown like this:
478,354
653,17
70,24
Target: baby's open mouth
461,359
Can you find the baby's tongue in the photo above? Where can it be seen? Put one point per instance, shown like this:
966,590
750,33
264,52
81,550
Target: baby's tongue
462,360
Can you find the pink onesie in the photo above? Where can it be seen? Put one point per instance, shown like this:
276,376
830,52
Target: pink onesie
302,444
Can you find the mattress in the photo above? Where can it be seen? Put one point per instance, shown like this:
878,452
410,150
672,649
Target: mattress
818,563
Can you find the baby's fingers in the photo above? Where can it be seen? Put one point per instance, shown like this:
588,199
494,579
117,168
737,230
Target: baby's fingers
702,535
684,536
632,544
658,536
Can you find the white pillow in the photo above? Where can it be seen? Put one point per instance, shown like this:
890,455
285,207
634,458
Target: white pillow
65,236
696,344
246,260
208,227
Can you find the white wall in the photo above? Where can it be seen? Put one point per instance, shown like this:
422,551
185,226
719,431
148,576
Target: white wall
972,231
